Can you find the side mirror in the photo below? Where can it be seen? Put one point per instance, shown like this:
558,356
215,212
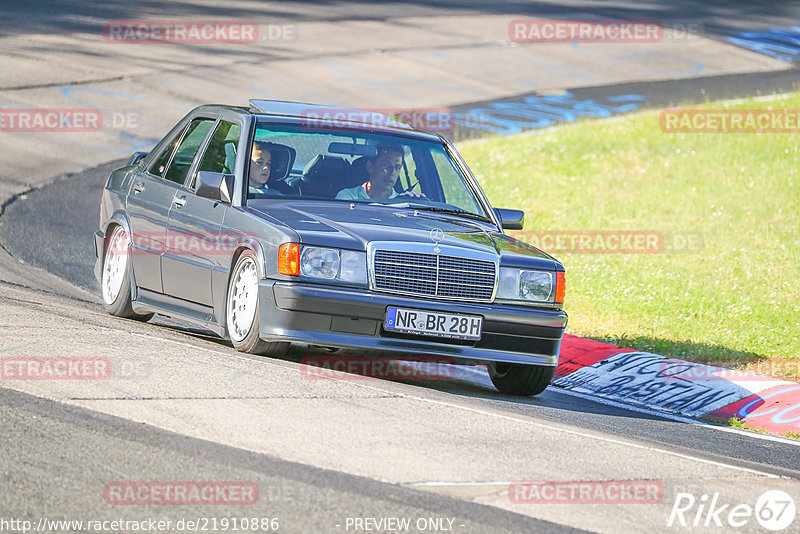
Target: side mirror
215,185
510,219
136,157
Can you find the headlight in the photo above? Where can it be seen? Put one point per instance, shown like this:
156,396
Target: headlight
319,262
333,264
529,286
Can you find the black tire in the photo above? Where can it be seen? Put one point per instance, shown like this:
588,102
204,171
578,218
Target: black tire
515,379
245,335
115,282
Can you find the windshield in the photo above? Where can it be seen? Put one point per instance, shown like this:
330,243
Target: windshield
357,166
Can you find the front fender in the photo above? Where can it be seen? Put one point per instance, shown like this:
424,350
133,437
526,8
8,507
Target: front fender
118,218
255,246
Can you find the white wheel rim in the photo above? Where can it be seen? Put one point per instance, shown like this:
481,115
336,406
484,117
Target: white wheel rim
243,300
115,265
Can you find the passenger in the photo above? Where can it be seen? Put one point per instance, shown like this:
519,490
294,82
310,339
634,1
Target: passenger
383,171
260,168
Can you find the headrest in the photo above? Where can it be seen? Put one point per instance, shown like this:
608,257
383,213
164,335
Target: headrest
324,175
358,172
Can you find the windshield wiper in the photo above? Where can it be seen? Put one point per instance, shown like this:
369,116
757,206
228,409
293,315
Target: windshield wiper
454,211
436,209
410,205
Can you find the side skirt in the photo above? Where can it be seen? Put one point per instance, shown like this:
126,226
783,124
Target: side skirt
151,302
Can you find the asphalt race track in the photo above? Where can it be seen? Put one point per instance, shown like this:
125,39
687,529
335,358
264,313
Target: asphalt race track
185,406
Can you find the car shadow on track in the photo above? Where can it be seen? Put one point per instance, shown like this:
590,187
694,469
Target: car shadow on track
434,375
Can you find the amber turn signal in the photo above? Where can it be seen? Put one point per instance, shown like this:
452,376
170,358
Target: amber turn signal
561,287
289,259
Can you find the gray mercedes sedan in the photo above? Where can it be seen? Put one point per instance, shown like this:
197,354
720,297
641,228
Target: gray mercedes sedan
284,222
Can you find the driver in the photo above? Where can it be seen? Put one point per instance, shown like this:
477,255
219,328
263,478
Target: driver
383,171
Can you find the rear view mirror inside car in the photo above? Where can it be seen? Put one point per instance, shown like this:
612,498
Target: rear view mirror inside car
353,149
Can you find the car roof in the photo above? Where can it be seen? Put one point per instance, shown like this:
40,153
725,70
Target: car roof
335,116
331,117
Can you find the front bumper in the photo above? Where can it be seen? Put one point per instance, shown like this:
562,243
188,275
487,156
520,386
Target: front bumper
353,318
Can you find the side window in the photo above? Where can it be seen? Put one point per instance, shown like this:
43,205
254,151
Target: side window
160,163
220,155
190,144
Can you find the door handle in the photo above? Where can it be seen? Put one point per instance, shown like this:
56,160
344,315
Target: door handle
138,187
179,200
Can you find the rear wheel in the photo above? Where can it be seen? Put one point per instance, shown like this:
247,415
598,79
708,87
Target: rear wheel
515,379
116,276
242,312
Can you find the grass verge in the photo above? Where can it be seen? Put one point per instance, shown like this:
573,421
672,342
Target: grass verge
734,301
738,423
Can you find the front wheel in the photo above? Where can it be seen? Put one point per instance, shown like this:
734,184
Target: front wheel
242,313
515,379
116,276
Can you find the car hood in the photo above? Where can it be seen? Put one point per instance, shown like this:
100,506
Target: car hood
337,224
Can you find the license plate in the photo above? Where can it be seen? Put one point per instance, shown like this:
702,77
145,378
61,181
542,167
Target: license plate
436,324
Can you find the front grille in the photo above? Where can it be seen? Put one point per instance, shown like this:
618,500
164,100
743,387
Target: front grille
434,275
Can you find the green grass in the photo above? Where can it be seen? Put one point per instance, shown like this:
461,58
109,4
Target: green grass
738,423
736,301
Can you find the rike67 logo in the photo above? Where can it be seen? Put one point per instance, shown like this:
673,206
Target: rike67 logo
774,510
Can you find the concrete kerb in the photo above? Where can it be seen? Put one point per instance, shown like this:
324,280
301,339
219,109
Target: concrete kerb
677,386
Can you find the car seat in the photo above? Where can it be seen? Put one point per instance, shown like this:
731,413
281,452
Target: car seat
230,157
323,176
358,172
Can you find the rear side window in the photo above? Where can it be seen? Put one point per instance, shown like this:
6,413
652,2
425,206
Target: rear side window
192,141
220,155
160,164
